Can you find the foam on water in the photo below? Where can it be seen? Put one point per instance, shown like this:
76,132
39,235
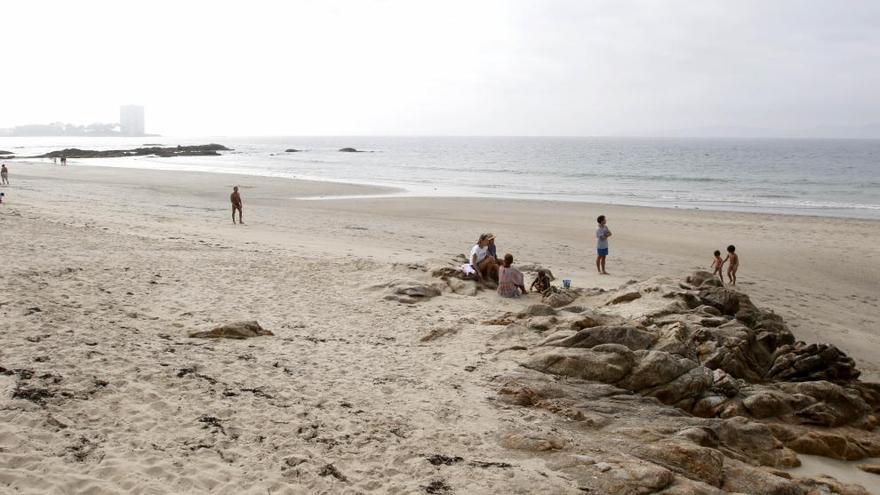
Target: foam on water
816,177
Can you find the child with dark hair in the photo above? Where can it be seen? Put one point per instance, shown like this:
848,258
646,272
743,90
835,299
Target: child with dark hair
717,263
541,282
733,258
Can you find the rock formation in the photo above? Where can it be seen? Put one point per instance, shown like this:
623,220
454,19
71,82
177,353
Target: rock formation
236,330
198,150
698,389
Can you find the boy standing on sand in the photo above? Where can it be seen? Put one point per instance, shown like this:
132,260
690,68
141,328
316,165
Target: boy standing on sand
4,175
717,264
602,235
733,258
236,204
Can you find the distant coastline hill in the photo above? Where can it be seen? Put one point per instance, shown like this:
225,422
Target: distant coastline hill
62,129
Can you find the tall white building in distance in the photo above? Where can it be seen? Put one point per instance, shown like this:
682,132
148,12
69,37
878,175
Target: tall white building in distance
131,120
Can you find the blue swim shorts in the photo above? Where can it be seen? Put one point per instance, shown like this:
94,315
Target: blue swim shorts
602,251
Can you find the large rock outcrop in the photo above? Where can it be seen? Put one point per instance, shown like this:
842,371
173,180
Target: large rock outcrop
196,150
747,393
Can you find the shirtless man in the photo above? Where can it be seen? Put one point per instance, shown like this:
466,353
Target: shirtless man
236,204
4,175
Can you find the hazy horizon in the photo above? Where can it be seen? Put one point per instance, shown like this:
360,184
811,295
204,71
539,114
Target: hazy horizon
406,68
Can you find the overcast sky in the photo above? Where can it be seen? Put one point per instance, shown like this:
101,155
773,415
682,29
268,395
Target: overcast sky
412,67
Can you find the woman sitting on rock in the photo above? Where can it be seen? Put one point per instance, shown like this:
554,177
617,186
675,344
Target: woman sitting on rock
483,264
510,280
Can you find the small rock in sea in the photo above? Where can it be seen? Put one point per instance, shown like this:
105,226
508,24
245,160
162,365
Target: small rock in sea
291,150
348,150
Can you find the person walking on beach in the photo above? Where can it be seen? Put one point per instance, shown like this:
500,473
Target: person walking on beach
235,198
4,175
602,235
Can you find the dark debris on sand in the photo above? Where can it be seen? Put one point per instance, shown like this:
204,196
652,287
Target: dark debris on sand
331,470
443,460
438,487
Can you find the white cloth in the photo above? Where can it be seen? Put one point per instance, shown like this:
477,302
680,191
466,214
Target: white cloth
467,269
602,234
481,253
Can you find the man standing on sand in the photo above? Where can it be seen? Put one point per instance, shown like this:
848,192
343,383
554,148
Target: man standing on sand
4,175
602,235
236,204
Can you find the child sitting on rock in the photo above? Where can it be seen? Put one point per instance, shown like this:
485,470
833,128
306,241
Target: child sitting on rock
541,282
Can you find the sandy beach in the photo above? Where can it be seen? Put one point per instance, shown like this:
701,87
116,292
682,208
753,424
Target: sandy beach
106,270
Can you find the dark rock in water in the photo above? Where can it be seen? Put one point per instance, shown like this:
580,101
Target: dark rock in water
350,150
198,150
5,152
291,150
236,330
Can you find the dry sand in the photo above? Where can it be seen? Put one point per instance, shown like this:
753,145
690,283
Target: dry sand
106,270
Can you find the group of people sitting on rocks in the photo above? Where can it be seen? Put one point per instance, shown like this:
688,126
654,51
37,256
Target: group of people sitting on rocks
484,265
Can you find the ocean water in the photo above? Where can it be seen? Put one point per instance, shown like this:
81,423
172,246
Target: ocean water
795,176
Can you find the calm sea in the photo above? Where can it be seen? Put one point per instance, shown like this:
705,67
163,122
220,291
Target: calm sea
815,177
